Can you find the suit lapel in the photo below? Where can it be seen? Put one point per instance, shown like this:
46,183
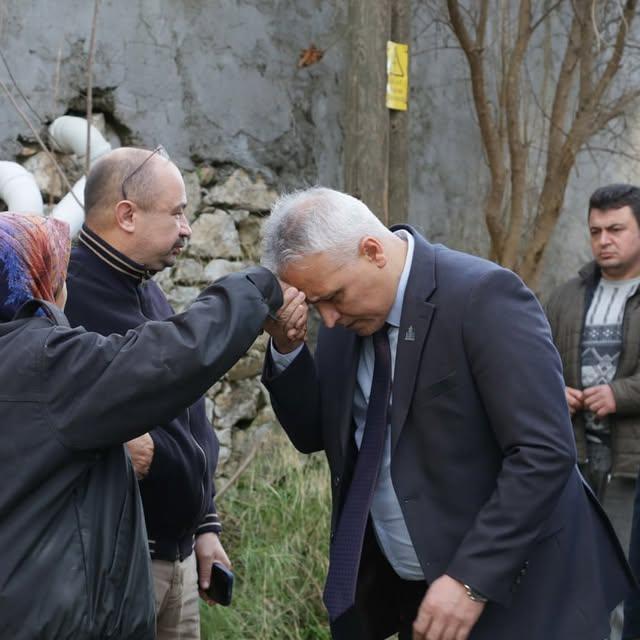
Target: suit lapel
345,355
417,314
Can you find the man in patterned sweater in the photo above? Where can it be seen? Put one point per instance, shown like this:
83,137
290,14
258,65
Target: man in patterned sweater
595,319
135,226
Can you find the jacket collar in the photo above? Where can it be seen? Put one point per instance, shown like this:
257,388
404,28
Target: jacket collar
422,277
111,256
590,274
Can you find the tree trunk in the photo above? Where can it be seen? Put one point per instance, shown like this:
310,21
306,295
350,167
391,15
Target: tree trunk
549,209
399,128
367,118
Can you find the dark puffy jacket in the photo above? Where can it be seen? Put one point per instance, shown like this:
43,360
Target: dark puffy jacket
75,558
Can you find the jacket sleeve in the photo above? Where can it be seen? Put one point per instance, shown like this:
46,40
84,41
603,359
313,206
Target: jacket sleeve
211,521
626,392
106,390
295,397
518,375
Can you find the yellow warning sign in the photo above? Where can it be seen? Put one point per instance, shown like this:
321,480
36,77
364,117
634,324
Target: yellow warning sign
397,75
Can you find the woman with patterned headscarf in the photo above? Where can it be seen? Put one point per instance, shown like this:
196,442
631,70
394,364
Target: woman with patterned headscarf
34,253
75,560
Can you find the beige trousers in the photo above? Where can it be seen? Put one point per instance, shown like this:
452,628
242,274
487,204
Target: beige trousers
177,602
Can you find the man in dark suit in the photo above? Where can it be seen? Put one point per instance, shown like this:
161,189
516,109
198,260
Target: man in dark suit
437,395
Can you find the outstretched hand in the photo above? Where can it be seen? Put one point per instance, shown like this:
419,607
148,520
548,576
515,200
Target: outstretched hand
289,328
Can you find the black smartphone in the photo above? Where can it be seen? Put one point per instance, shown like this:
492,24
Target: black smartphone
221,586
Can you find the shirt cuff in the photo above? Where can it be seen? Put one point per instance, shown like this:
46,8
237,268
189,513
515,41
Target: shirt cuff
210,524
282,360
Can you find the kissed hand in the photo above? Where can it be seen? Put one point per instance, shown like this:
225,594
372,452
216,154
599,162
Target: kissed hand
289,328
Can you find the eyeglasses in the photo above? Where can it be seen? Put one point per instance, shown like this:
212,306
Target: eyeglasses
159,150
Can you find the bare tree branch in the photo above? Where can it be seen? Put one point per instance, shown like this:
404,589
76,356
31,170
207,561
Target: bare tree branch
607,113
586,18
92,46
561,97
614,152
546,15
473,51
518,122
56,79
517,146
616,56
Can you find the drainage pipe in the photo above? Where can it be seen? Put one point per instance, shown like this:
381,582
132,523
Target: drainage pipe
68,134
18,188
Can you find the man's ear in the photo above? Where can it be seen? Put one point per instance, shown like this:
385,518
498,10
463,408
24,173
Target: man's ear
373,250
125,215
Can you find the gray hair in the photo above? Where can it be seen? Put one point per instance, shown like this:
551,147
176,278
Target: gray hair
316,220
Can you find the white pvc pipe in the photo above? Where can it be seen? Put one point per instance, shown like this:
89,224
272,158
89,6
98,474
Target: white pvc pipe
19,190
69,135
69,210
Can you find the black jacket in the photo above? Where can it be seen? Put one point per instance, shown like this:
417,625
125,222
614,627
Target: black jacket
75,563
109,293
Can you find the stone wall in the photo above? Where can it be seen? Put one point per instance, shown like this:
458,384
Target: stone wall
226,211
226,208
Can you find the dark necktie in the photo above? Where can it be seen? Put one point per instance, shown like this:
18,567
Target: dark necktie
346,548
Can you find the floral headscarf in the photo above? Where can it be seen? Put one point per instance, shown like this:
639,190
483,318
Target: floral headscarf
34,253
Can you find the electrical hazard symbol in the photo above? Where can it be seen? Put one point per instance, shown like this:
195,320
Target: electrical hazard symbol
397,76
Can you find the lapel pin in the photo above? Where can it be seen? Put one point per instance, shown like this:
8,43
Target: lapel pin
410,335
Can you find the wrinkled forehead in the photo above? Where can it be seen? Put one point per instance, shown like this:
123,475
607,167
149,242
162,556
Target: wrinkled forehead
315,274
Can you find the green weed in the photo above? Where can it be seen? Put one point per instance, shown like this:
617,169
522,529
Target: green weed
276,521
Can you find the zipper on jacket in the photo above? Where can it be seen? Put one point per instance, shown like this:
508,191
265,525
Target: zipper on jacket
204,458
141,301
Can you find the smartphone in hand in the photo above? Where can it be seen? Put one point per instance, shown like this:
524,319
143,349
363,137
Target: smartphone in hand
221,586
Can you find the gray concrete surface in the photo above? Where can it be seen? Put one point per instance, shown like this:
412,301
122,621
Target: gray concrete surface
213,80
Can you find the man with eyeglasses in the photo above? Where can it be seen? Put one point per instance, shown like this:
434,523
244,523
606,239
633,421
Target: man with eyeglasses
136,226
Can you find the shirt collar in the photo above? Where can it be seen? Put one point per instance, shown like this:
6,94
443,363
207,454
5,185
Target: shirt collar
396,310
112,256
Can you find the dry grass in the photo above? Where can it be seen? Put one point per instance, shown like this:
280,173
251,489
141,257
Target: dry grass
276,533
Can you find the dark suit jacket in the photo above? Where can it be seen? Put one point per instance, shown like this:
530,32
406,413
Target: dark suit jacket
483,459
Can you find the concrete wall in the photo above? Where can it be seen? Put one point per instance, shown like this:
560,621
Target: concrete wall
214,80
